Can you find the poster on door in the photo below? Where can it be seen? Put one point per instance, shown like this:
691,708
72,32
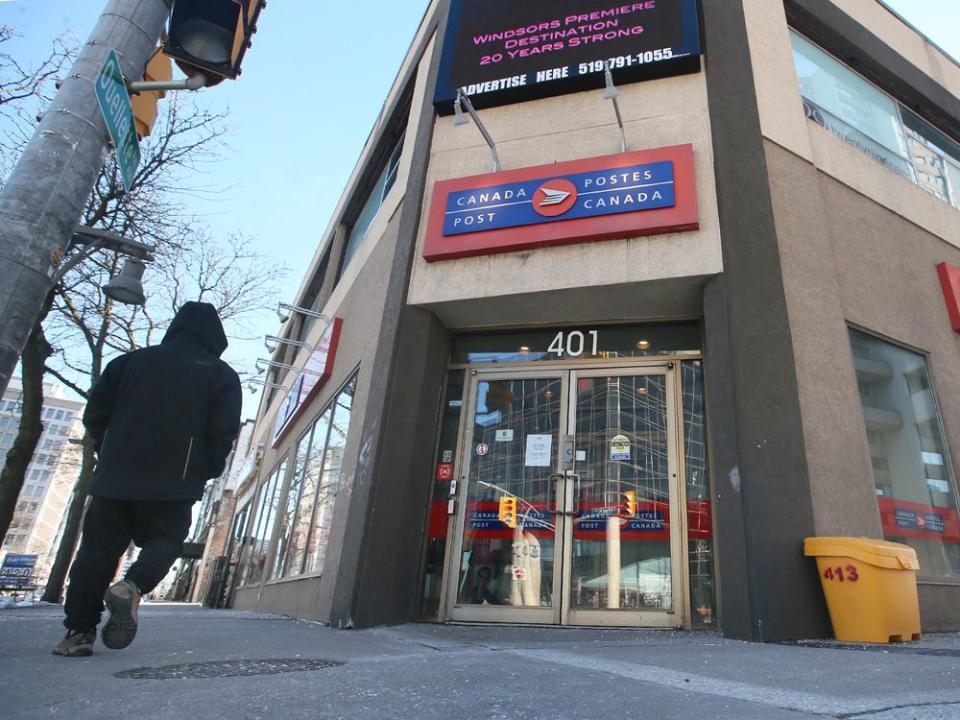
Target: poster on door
538,451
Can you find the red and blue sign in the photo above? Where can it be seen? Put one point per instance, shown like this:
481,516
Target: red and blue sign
627,195
17,570
316,371
903,519
587,194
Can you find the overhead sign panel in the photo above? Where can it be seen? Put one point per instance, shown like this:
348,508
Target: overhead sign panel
315,373
503,51
616,196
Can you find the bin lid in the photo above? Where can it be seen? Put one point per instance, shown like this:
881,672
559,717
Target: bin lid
879,553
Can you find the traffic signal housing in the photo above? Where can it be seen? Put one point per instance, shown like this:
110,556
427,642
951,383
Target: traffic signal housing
212,36
508,511
159,69
629,503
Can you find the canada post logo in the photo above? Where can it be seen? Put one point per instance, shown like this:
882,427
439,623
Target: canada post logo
554,197
581,195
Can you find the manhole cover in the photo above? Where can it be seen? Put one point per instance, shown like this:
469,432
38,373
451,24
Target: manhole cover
226,668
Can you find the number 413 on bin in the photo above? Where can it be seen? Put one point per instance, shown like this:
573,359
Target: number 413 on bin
842,574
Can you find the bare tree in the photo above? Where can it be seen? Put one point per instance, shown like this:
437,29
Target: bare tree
191,264
24,91
83,328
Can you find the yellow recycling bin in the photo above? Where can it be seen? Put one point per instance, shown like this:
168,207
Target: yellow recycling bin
870,587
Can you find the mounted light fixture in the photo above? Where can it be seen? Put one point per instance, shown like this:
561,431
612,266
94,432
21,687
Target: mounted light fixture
271,342
262,364
611,93
458,117
253,382
284,310
127,287
463,101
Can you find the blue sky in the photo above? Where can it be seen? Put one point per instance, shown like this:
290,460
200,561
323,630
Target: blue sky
312,86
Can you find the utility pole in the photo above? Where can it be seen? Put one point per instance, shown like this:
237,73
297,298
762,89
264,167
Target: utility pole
44,196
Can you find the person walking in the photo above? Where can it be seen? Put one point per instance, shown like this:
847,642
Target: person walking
163,420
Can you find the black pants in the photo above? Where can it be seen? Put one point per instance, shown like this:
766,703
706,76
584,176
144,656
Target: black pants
158,528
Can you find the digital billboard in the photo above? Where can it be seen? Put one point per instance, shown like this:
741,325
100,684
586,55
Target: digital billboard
504,51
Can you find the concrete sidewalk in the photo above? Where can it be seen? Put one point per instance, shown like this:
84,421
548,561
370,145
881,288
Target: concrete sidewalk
424,672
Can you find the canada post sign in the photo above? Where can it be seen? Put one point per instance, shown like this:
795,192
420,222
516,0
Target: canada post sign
626,195
599,192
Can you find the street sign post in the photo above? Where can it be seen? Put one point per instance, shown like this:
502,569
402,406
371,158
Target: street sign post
118,114
17,570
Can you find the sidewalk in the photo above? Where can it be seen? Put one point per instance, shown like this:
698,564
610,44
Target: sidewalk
426,672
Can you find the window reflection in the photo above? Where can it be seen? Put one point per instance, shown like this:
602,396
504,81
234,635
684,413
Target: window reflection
329,461
266,516
914,482
842,102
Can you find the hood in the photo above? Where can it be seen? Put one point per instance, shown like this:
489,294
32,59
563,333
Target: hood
198,322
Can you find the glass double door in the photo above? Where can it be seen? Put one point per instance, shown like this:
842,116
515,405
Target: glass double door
569,509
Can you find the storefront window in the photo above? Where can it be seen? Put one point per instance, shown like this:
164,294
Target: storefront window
329,460
437,523
841,101
914,479
378,194
266,516
288,515
699,514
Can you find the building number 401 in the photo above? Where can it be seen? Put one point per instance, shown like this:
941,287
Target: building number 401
842,574
573,343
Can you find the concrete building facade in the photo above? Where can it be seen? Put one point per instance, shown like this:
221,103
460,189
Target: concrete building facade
619,379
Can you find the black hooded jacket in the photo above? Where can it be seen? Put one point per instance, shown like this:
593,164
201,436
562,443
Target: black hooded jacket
164,418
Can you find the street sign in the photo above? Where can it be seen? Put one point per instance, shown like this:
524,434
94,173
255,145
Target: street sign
114,103
17,570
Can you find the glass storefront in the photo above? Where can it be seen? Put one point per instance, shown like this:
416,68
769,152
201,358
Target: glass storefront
915,486
299,514
563,490
267,503
699,507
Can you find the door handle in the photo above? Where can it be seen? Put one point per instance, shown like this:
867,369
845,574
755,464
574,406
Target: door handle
568,501
575,504
552,504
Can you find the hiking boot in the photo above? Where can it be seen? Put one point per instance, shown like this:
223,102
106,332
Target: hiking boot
122,599
76,643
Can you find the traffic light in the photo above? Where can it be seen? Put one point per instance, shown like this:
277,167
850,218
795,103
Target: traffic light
212,36
508,511
159,69
629,503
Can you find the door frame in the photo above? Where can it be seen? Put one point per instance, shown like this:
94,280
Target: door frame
495,613
676,617
561,613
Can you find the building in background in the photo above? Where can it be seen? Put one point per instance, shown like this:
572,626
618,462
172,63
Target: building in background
50,476
205,578
605,374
